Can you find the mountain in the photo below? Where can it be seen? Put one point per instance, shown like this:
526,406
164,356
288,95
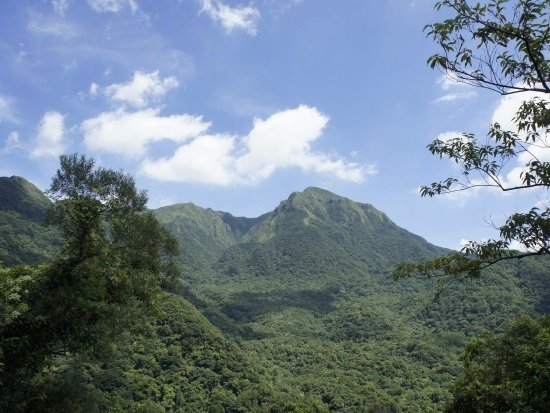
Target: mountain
325,233
20,196
23,237
204,234
309,288
315,226
296,310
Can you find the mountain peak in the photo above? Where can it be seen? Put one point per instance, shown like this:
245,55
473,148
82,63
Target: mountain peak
313,191
322,204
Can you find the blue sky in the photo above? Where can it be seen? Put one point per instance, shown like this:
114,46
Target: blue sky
233,105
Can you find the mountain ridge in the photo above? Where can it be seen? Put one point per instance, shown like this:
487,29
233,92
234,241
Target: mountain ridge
305,292
331,225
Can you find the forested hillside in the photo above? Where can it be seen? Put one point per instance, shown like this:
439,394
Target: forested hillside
295,310
23,236
311,283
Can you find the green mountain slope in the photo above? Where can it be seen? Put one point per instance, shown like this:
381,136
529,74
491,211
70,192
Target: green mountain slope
23,237
322,234
176,361
204,234
20,196
310,284
296,310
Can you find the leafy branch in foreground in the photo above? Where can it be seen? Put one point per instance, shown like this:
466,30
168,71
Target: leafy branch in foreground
494,44
502,46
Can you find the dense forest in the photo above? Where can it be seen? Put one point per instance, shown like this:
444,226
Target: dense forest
295,310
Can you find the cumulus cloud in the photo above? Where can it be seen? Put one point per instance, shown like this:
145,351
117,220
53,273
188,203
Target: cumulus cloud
50,137
508,106
94,89
129,133
112,6
504,113
142,90
450,135
447,82
281,141
208,160
232,18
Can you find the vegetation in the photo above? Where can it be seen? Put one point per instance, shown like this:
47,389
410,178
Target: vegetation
502,46
114,258
506,372
24,239
293,311
307,293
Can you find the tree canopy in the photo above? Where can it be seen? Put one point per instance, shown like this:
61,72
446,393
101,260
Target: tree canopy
507,372
503,46
114,261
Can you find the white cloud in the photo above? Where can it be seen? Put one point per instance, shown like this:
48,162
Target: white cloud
112,6
508,106
504,113
60,6
518,246
13,143
450,135
129,133
50,26
453,97
447,82
463,242
232,18
49,139
6,113
208,160
457,90
281,141
142,90
94,89
284,140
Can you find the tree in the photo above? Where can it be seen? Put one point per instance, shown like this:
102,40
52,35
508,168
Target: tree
502,46
115,259
507,372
